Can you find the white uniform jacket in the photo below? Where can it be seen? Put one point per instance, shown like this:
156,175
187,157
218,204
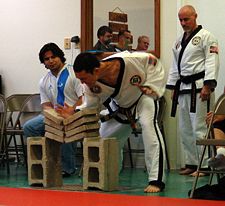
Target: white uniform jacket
200,55
136,68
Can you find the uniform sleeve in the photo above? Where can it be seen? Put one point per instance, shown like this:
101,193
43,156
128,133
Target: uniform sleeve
211,59
173,72
156,75
90,100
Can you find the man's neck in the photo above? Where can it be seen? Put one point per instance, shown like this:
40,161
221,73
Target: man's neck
56,71
109,72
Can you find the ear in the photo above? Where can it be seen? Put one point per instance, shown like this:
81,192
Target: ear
96,71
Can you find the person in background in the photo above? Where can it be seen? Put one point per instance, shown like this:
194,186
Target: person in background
143,43
58,88
218,161
124,40
192,80
104,35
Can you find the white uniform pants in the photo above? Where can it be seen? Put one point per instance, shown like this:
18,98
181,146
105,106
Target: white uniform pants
152,137
192,127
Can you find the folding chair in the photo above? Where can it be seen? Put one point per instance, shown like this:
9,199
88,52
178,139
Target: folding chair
210,142
30,108
14,106
3,111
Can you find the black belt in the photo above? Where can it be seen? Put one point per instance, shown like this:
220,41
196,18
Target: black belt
186,80
124,111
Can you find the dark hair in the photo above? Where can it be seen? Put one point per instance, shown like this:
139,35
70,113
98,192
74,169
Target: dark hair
121,32
54,49
102,30
85,62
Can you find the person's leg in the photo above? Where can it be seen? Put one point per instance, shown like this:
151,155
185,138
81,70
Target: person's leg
218,161
187,136
68,152
34,127
147,110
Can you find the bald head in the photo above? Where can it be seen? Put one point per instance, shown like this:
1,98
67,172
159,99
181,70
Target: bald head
187,16
187,9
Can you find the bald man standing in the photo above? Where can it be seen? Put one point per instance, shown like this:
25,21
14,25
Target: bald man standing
192,80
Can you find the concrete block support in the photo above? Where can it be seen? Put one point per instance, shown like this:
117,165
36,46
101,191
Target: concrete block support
101,163
44,162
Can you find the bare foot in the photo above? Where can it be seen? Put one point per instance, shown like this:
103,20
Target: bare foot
152,189
200,174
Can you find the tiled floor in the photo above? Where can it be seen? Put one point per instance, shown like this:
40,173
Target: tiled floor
132,182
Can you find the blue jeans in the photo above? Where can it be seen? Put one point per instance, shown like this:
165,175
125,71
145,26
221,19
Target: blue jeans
35,127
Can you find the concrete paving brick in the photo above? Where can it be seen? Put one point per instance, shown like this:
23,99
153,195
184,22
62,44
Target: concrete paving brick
81,121
44,162
79,114
54,137
82,135
101,161
54,116
53,124
82,128
54,130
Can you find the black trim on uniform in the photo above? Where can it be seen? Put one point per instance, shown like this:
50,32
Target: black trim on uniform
158,182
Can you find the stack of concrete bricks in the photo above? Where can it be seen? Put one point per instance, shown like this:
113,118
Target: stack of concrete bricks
101,163
44,156
82,124
44,162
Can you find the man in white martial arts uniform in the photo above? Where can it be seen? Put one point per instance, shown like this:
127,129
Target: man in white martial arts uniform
192,80
130,82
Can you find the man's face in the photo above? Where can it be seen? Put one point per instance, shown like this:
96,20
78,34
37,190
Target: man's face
144,44
187,20
87,78
128,37
107,38
52,62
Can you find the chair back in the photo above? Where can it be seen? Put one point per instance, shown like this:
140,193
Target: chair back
14,106
219,108
30,108
3,111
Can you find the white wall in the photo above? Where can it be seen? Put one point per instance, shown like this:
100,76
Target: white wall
26,25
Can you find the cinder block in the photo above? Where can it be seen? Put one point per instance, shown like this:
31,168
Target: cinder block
101,163
44,162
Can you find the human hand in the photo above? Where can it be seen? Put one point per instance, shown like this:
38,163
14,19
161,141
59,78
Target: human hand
148,91
64,111
205,93
217,118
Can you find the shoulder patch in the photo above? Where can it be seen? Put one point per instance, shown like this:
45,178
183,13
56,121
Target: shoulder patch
96,89
135,80
213,49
